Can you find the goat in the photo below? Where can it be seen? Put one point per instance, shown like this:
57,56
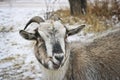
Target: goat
61,60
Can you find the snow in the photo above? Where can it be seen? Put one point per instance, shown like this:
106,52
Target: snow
17,60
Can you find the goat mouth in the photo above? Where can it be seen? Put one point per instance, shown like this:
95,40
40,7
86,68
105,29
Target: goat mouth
56,66
50,64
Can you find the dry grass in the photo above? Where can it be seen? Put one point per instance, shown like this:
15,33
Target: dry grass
96,15
96,24
104,8
7,59
63,13
92,20
4,29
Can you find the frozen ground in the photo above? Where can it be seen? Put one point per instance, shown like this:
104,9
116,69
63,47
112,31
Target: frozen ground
17,61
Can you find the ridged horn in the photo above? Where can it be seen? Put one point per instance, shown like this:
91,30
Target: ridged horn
36,19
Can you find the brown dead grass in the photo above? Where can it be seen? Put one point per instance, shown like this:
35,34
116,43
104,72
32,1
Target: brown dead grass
96,24
95,17
7,59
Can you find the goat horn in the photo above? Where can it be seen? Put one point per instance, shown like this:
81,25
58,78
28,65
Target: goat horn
36,19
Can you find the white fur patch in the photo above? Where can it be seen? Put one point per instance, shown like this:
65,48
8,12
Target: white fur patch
62,43
51,33
55,74
50,64
46,28
49,48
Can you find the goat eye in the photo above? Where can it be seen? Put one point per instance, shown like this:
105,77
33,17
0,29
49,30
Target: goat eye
39,39
65,36
40,44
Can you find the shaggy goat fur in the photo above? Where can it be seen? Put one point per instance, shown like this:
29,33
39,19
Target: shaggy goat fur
99,60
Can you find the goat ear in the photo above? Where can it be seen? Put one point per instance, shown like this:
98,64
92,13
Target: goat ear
74,31
27,35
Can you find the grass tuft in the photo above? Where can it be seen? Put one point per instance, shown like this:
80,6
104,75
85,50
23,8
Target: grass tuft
96,16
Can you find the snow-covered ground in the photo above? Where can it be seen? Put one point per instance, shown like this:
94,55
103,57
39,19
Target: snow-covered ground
17,61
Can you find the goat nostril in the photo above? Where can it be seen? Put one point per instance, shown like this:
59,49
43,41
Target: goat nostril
59,58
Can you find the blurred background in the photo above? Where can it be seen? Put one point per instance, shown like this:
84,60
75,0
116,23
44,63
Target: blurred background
17,59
